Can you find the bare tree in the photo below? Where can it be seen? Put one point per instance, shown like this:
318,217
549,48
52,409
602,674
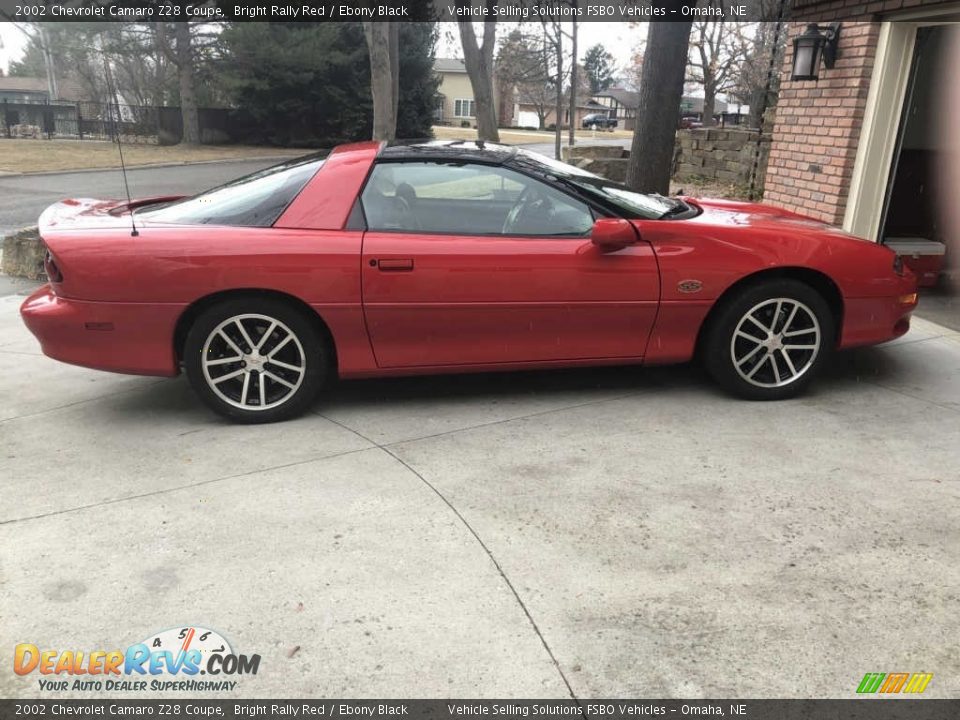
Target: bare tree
572,131
384,49
716,53
661,89
523,69
554,34
479,63
142,71
181,55
633,72
758,83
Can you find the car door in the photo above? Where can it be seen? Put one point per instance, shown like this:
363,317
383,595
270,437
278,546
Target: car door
455,274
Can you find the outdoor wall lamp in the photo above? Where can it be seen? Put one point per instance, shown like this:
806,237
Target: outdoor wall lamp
816,42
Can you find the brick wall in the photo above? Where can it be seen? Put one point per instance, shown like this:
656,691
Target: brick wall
818,123
818,127
822,12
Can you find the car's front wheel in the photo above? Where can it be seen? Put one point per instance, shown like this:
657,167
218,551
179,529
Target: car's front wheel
255,360
769,342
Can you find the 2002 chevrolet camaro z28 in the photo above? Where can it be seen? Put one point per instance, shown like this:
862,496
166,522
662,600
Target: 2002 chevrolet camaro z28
450,257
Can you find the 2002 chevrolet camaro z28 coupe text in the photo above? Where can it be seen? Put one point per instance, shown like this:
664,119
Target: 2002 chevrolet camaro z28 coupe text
449,257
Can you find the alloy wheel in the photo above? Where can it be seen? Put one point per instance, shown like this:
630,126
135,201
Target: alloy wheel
253,362
775,343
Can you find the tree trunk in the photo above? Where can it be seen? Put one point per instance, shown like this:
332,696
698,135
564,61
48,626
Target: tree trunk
572,132
558,110
384,78
395,69
709,104
661,89
188,96
479,64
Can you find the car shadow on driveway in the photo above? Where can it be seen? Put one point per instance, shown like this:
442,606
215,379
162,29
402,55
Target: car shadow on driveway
876,365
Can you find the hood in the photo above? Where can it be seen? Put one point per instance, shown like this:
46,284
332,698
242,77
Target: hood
93,214
757,215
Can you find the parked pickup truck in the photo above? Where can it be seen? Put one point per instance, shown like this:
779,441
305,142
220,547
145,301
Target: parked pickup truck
596,121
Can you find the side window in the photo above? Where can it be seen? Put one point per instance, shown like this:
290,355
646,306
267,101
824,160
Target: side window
467,199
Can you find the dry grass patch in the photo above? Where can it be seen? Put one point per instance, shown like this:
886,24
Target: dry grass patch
26,156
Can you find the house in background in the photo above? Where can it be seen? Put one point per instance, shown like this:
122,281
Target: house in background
455,103
27,101
859,146
622,104
528,111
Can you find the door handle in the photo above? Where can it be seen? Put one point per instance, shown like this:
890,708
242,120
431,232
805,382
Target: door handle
395,265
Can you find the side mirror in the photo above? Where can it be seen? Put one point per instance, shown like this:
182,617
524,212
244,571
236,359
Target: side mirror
613,234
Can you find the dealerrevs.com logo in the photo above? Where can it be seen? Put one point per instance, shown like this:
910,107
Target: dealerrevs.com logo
171,660
894,683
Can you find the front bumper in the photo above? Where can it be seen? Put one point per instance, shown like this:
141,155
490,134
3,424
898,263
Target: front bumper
134,338
868,321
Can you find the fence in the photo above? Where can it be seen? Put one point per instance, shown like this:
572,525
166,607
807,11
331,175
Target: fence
133,123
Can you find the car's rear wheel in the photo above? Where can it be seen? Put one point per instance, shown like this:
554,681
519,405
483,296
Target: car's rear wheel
769,342
256,360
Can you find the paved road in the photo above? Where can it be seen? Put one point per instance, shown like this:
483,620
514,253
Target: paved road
23,197
452,537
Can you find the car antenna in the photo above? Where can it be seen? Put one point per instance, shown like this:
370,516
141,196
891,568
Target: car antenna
112,100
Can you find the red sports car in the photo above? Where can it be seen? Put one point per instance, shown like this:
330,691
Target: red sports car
391,259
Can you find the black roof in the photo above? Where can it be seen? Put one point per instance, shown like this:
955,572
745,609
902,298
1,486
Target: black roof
448,150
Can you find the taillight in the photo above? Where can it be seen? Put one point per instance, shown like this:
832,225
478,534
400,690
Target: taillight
50,267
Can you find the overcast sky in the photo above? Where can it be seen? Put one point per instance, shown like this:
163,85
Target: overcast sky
619,39
13,43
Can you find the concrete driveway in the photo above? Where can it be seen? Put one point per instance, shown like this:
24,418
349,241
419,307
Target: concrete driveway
615,532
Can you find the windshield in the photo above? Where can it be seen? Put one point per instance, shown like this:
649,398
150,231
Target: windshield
633,204
629,203
255,200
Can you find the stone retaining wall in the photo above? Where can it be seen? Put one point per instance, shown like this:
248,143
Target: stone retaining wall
23,254
609,161
723,155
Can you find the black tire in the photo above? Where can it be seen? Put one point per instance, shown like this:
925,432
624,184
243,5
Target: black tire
757,364
221,332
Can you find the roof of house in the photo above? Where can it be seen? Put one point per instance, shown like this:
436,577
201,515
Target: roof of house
523,96
67,88
629,98
23,84
451,65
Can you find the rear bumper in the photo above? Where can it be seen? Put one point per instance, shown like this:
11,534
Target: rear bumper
134,338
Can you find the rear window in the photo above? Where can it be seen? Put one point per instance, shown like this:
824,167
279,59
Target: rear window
256,200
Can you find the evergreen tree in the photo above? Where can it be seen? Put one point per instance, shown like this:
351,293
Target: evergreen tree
600,68
308,84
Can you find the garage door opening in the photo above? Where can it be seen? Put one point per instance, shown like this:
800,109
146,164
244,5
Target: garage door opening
911,223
